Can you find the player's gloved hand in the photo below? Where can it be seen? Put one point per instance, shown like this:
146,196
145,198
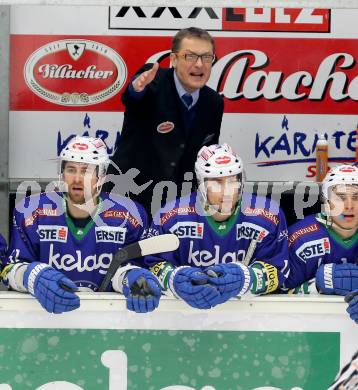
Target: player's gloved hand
142,290
231,280
339,279
352,309
53,290
191,284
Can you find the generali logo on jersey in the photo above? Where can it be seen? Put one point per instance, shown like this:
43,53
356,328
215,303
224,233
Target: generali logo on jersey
75,72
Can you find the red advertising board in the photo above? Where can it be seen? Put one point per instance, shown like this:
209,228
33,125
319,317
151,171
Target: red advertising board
276,19
255,75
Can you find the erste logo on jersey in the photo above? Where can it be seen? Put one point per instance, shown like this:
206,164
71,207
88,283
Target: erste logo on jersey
188,229
250,231
115,234
314,248
52,233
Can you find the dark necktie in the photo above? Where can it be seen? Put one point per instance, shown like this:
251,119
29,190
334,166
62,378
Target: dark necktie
188,99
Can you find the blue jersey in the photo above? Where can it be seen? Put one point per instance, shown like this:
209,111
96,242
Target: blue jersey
256,231
311,244
3,250
47,234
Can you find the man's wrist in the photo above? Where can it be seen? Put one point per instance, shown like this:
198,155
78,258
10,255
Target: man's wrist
134,93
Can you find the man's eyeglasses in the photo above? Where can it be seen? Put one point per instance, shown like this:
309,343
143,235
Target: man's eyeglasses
192,57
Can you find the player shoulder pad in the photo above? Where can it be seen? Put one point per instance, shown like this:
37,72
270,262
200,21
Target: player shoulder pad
38,205
260,209
182,208
304,230
119,215
120,202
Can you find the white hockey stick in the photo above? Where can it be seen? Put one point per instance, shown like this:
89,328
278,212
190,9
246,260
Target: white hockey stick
148,246
250,253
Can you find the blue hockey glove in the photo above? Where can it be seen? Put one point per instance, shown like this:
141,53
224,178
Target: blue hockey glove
191,284
352,309
142,290
231,280
53,290
339,279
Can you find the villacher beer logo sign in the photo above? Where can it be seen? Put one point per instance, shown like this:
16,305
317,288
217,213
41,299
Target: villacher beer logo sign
75,72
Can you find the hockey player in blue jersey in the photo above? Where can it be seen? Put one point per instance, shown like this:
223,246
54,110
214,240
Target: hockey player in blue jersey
63,242
3,250
324,247
230,243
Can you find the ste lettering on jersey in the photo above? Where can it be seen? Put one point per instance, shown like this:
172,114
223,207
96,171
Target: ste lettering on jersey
204,242
312,244
43,231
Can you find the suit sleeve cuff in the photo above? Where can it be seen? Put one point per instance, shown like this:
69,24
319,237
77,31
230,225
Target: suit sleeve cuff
133,93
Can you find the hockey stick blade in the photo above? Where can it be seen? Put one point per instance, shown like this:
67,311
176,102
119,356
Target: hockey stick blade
350,296
148,246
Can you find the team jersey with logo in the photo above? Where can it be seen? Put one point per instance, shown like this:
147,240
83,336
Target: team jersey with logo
3,249
43,231
256,231
311,244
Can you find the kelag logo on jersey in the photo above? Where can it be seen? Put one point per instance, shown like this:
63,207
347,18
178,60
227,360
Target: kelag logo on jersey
78,261
205,258
188,229
75,72
110,234
250,231
52,233
314,248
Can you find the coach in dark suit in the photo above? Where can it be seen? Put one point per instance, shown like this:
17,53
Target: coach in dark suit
170,114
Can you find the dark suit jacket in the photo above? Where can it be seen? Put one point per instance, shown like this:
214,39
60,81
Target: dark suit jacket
165,156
